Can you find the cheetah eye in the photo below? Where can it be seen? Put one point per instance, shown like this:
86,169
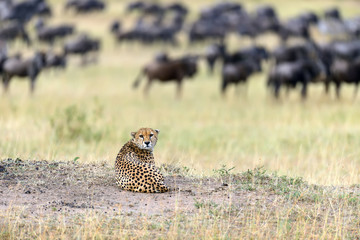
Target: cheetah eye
151,135
141,136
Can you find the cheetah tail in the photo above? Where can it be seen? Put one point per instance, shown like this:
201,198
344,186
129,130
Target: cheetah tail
162,188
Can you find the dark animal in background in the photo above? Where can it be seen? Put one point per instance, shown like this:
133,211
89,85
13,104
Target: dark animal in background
240,65
249,27
147,33
291,54
90,6
3,58
348,50
290,74
333,13
213,53
115,27
44,9
216,21
309,17
130,35
217,52
55,60
267,19
161,57
154,9
353,27
238,72
256,53
71,4
202,31
155,24
294,28
85,6
166,71
345,71
23,68
298,26
136,5
49,34
82,45
14,30
23,11
178,8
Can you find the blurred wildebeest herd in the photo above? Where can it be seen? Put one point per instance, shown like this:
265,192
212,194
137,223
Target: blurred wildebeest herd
307,62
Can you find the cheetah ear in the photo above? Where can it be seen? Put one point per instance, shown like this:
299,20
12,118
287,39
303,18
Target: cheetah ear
133,134
157,131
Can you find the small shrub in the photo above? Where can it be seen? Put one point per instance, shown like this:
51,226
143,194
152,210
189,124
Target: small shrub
74,123
223,171
258,178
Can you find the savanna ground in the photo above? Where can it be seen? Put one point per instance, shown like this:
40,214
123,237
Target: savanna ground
303,156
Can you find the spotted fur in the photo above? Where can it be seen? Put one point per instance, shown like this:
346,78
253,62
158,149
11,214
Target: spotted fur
135,165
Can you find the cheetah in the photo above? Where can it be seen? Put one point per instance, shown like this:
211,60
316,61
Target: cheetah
135,166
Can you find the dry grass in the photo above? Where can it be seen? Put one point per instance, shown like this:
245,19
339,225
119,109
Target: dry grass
317,139
71,200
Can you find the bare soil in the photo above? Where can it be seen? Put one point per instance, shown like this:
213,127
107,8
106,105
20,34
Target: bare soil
42,187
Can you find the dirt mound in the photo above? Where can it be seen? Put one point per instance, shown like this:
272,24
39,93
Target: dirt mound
41,187
36,194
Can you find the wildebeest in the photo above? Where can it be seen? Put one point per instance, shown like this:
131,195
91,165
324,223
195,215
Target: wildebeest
345,71
89,6
49,34
249,27
218,51
55,60
30,68
154,9
147,33
238,72
44,10
353,27
298,26
217,20
294,28
70,4
136,5
257,53
85,6
213,53
202,31
346,50
82,45
178,8
3,57
166,71
291,54
14,30
333,13
290,74
115,27
267,19
161,57
23,11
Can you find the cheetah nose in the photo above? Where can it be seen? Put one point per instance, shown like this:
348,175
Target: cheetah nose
147,143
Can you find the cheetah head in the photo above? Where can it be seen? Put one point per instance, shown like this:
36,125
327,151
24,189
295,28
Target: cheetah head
145,138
